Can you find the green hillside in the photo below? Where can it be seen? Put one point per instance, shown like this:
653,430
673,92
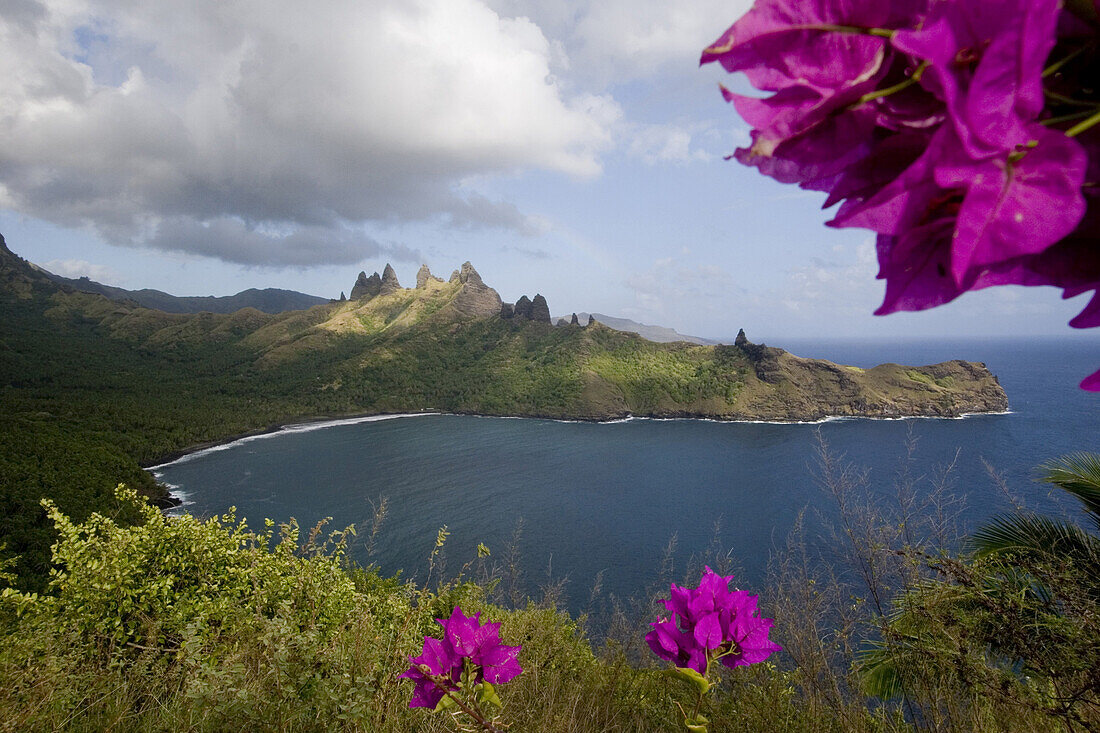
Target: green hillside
155,623
94,388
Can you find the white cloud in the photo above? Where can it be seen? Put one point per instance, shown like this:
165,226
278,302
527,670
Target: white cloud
624,39
135,118
655,144
669,286
843,285
83,268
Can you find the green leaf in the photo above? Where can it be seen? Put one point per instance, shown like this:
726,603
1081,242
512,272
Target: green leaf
1079,474
689,674
486,695
1037,536
698,724
446,703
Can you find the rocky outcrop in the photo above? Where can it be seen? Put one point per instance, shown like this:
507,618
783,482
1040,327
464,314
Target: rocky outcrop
562,322
540,311
424,276
765,359
531,309
574,321
343,298
469,274
389,281
366,287
475,298
506,310
591,320
522,308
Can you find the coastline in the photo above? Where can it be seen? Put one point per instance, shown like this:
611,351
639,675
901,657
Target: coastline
321,422
318,422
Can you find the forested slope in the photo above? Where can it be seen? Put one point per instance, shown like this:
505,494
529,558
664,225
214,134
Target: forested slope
94,388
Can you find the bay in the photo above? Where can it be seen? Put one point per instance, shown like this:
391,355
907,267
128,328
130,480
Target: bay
607,498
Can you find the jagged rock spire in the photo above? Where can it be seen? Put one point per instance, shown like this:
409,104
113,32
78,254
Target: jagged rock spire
540,311
366,287
741,339
475,298
522,308
389,281
533,309
469,275
574,321
423,276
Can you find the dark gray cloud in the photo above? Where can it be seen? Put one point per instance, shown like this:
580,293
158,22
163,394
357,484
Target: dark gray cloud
233,241
24,14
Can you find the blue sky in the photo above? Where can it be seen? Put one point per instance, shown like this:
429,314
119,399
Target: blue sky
574,149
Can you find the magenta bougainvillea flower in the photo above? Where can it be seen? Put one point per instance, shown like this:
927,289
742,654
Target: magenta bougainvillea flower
466,641
711,622
985,62
813,126
965,134
952,223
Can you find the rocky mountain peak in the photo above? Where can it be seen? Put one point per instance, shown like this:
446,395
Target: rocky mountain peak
469,274
533,309
741,339
424,276
475,298
540,311
389,281
366,287
522,309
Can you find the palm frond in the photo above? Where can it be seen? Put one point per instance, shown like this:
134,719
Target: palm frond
880,672
1079,474
1036,536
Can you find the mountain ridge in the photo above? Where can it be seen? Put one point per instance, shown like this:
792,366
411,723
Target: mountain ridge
765,382
268,300
91,389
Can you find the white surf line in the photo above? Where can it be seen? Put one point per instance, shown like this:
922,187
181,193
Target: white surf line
286,429
827,419
321,425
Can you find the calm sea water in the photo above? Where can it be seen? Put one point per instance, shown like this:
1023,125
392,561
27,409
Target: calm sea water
608,497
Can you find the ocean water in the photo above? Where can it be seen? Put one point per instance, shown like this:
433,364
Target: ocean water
608,497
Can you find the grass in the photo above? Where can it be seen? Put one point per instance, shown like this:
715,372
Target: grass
179,625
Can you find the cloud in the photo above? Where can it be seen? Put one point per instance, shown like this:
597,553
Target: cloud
668,285
233,241
843,284
669,143
147,120
530,252
626,39
83,268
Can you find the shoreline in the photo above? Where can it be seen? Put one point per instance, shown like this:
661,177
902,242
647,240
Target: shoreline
318,422
321,422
